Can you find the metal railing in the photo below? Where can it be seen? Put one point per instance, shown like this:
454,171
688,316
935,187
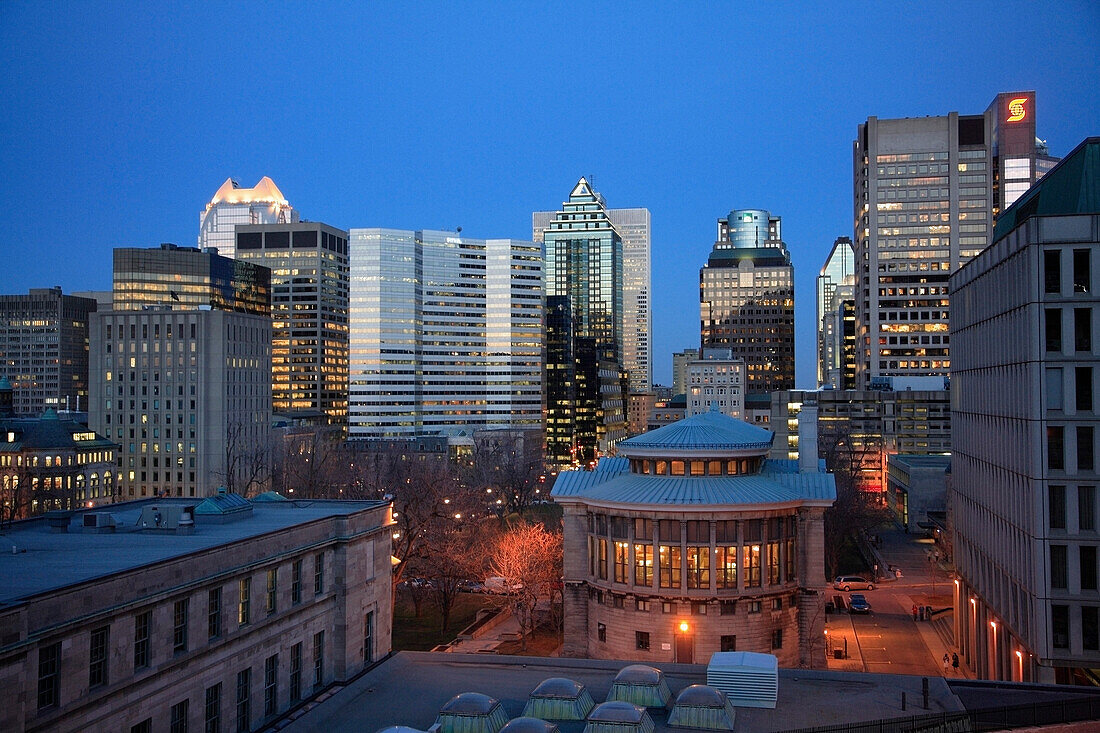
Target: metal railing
987,719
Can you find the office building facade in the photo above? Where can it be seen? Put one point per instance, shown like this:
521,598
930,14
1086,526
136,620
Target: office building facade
44,349
927,191
232,206
446,333
862,428
309,312
1023,496
716,381
218,615
836,318
633,226
187,278
186,395
680,361
746,298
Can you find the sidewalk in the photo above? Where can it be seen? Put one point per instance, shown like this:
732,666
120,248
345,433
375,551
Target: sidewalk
840,630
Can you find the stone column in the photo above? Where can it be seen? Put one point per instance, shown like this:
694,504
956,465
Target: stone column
575,594
811,570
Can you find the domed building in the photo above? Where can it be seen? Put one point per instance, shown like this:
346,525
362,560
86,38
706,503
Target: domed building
691,541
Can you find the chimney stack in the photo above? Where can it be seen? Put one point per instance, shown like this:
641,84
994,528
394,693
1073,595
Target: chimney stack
807,439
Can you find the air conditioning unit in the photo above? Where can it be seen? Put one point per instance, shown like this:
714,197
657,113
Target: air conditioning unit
99,521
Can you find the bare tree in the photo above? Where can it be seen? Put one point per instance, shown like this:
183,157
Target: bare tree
248,464
451,555
15,494
529,559
313,463
507,463
425,494
852,460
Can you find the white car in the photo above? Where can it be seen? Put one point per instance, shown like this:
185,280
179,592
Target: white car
852,582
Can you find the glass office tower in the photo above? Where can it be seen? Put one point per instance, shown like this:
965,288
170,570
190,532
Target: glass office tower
634,229
185,277
584,264
835,284
927,193
446,333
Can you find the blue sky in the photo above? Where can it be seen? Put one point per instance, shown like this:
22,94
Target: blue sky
121,120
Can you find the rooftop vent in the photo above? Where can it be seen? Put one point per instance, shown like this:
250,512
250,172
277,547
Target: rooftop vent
167,518
98,522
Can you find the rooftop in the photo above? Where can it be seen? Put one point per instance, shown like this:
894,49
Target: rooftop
910,460
711,431
410,688
46,433
264,191
44,560
778,482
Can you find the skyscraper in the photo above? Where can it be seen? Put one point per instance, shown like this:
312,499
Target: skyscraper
185,393
187,278
927,191
183,384
746,298
836,317
233,205
446,333
584,263
1023,497
634,229
309,310
44,349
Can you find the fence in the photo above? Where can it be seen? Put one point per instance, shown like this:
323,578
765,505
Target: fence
987,719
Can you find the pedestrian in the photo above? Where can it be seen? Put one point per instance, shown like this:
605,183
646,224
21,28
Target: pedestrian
946,661
914,612
955,662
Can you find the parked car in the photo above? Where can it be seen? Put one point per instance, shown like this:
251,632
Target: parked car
858,604
852,582
496,584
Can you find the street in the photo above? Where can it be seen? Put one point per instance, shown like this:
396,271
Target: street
888,640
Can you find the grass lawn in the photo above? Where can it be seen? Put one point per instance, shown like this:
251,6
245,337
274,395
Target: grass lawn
421,634
542,643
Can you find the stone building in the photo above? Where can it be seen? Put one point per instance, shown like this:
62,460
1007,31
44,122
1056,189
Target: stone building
181,614
692,541
48,463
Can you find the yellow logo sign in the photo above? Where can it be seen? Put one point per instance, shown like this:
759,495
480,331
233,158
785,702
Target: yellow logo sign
1016,110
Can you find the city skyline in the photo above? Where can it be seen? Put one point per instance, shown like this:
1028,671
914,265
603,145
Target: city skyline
118,145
